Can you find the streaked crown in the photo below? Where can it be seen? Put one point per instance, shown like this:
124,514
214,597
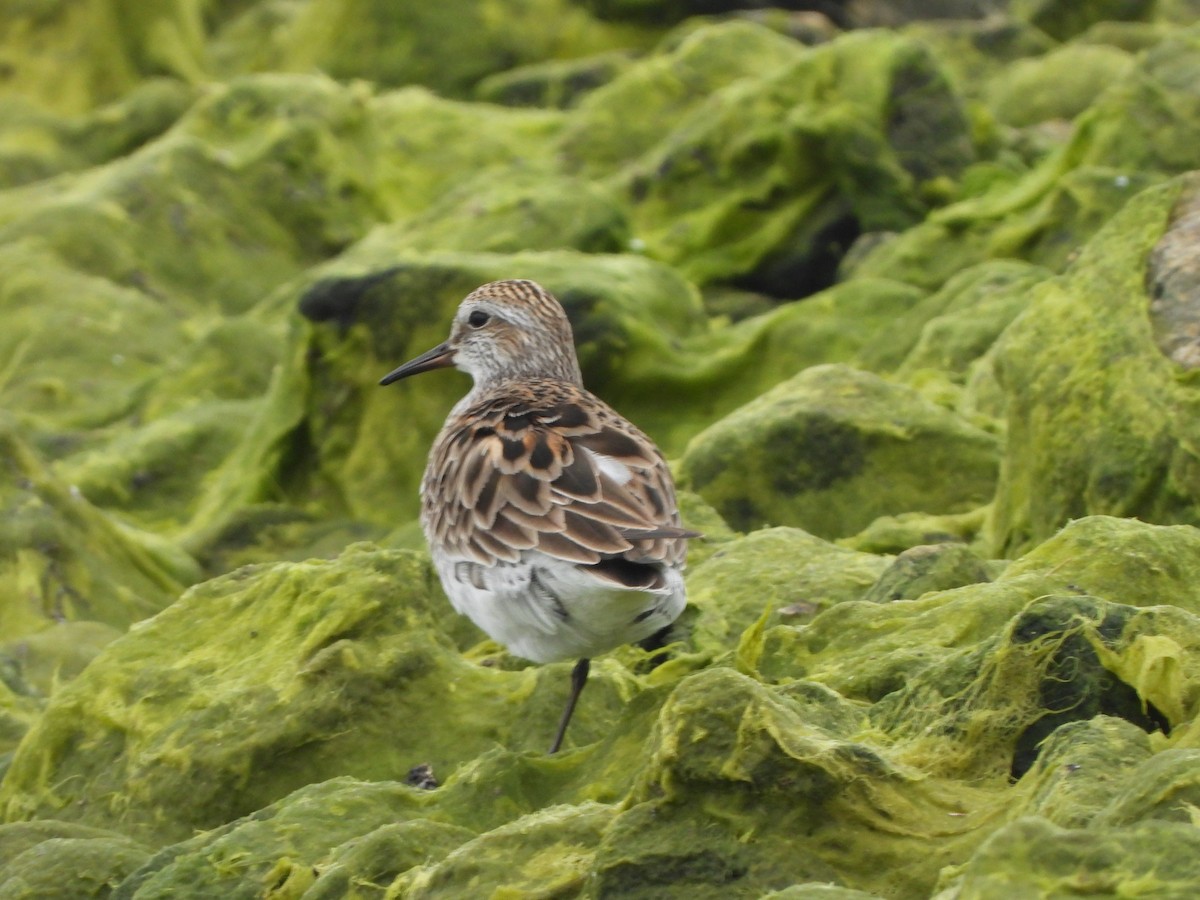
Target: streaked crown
509,330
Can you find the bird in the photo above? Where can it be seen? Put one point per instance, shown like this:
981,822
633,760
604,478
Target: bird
551,520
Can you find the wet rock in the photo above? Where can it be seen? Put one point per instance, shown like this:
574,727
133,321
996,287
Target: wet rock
931,567
305,653
43,859
1084,352
1173,285
557,85
1055,860
814,451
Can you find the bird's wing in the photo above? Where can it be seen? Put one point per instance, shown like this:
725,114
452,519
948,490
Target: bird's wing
558,471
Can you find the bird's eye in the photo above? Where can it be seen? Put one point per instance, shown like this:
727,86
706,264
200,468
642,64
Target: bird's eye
478,319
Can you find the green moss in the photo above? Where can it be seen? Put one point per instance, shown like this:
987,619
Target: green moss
305,653
750,182
1079,73
950,328
112,46
1031,857
833,448
795,576
63,558
1084,354
448,46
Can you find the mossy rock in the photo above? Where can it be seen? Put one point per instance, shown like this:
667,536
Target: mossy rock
36,143
64,559
448,47
1085,353
1079,73
833,448
952,327
1034,858
48,858
756,180
305,653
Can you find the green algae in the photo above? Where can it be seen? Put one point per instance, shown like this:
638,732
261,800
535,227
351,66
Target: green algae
558,84
749,183
813,451
1086,337
743,793
308,647
895,534
1032,857
63,558
626,118
197,307
447,46
952,327
112,47
1059,204
1078,72
924,568
36,143
795,576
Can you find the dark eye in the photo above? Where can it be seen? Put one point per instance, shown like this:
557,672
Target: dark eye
478,319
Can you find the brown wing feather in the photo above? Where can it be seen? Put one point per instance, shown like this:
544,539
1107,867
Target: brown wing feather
509,474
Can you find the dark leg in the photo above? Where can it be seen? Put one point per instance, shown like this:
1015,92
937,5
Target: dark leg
579,676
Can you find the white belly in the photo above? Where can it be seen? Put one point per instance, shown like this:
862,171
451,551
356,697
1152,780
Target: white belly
546,610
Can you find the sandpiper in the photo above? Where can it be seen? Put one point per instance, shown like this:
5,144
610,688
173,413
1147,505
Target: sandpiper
551,520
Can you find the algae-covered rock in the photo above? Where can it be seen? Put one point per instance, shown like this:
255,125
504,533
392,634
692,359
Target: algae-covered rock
1033,858
894,534
950,328
1045,216
111,47
832,449
1084,353
207,261
755,179
556,84
747,789
367,833
61,557
1058,85
36,143
930,567
336,667
448,46
775,574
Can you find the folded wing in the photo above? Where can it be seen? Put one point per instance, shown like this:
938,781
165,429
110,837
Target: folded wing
558,472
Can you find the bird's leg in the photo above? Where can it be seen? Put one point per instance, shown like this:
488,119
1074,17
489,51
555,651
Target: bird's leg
579,676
